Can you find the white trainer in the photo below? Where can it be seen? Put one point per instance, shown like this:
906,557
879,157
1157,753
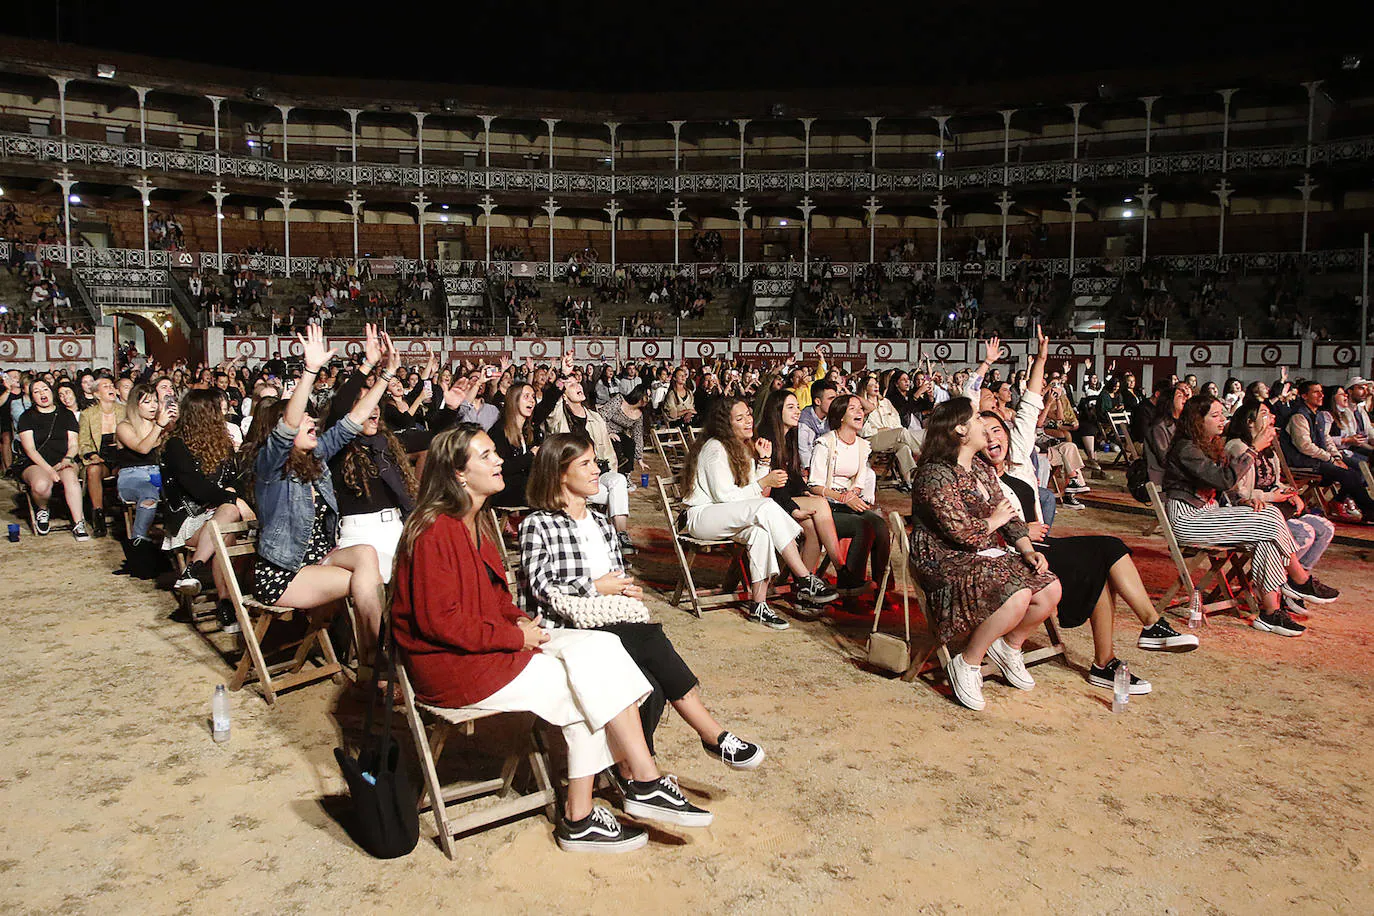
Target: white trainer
967,682
1012,663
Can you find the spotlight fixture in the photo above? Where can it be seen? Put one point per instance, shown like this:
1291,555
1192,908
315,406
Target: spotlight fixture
105,71
1128,213
1350,62
74,199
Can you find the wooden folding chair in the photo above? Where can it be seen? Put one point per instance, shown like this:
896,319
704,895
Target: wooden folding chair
1368,477
672,449
687,548
1307,482
1121,429
1220,570
497,515
56,500
256,618
438,798
201,608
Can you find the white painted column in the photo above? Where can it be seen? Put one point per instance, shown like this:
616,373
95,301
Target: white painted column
487,205
1004,203
741,209
1077,109
421,202
551,208
1223,193
1147,196
613,210
145,190
873,141
285,133
1225,127
62,82
677,209
872,208
1073,200
806,152
939,207
142,93
287,199
806,208
551,122
1306,189
420,140
355,203
215,101
218,193
1006,145
1149,101
743,123
66,183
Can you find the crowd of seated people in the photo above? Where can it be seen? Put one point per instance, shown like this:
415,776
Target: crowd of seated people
363,471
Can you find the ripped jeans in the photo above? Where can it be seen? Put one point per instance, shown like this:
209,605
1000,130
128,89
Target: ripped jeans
135,486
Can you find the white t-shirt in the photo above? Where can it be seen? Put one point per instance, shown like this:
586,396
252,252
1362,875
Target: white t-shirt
596,553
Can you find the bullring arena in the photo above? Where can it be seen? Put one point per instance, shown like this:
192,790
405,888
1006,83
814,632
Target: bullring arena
191,222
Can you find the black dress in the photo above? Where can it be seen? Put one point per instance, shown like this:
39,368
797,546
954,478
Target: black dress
270,581
1080,562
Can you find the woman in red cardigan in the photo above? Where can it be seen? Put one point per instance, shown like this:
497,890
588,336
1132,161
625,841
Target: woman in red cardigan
465,643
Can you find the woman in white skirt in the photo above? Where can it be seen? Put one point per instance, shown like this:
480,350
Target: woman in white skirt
1196,475
465,643
728,478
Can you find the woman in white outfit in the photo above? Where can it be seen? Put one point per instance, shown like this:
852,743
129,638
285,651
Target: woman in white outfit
728,475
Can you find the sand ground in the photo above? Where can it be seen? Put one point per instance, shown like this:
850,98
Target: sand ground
1241,785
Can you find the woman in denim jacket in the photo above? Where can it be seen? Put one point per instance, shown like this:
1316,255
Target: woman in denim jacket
297,564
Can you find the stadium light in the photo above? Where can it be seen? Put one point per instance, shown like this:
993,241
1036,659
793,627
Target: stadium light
939,154
443,217
74,199
1129,200
105,71
782,222
1128,213
2,192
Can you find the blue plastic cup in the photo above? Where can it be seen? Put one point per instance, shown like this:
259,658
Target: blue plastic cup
644,481
14,534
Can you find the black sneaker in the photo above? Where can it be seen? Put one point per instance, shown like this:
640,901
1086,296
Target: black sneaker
1278,622
42,521
627,547
98,528
1076,488
847,583
1307,592
1069,501
765,615
813,590
1322,590
80,532
735,752
194,579
1105,676
1296,607
224,613
599,831
661,800
1159,635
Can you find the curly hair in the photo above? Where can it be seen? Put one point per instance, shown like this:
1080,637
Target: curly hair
357,469
200,424
717,426
1190,427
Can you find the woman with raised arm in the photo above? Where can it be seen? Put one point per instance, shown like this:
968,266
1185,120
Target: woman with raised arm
465,643
728,480
297,564
1093,570
568,552
47,435
964,552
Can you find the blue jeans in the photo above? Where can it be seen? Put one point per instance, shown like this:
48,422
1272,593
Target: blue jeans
1312,534
135,486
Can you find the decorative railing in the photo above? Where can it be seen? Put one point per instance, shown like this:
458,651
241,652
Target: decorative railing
556,181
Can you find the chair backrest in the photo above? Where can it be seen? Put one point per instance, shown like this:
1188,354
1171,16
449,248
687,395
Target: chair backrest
1121,425
246,542
901,547
670,508
1175,551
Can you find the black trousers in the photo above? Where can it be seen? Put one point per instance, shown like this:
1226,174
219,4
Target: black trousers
662,667
868,539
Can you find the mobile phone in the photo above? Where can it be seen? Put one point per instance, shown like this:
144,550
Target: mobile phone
491,371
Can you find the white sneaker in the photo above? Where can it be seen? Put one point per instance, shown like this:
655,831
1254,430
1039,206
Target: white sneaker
967,682
1012,663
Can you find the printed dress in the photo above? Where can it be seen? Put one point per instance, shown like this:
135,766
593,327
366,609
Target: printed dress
949,508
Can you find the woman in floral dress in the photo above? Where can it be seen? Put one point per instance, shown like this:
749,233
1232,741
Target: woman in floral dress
973,556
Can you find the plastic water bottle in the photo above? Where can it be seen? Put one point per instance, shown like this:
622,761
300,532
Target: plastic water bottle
1121,688
219,714
1195,610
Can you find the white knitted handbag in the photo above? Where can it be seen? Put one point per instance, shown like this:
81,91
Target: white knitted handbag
589,613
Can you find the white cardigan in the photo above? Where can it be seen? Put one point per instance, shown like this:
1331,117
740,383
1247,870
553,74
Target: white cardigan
1019,452
822,470
715,483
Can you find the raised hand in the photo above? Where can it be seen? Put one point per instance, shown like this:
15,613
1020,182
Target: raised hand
1043,343
392,355
992,349
316,354
372,350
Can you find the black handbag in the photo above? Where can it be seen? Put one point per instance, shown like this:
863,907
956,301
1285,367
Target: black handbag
385,809
1137,476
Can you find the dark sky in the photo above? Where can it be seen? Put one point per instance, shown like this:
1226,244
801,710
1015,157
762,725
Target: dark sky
685,45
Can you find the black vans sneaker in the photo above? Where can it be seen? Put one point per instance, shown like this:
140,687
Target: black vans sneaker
98,526
1159,635
1069,501
80,531
194,579
813,590
765,615
735,752
1278,622
1105,676
224,613
661,800
42,521
599,831
1309,592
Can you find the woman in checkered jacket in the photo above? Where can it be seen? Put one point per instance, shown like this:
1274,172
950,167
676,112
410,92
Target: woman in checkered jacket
568,550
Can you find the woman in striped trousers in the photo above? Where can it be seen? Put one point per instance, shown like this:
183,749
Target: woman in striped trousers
1196,473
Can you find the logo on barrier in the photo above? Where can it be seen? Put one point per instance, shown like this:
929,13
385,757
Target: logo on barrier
1345,356
942,351
247,348
353,348
706,349
1064,350
416,346
539,348
1004,352
596,348
651,349
69,349
1271,355
478,346
8,348
764,347
1200,355
294,348
882,351
1130,350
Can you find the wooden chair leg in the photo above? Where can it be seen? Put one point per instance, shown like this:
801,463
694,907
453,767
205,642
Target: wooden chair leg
252,660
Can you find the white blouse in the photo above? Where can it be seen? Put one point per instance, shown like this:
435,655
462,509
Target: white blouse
715,483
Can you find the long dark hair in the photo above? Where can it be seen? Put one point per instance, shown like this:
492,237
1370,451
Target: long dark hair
717,426
786,454
942,441
1190,426
200,426
1242,421
440,493
516,431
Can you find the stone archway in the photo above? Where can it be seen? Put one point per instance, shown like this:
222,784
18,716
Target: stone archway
164,344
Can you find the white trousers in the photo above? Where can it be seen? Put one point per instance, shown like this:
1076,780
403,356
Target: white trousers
381,530
903,443
614,493
760,524
579,681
